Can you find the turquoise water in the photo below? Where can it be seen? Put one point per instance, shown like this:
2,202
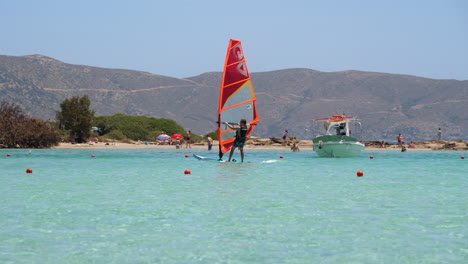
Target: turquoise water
138,206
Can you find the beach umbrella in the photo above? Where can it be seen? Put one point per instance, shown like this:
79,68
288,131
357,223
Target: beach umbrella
163,137
177,136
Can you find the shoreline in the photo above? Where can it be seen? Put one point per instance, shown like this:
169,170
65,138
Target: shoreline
303,145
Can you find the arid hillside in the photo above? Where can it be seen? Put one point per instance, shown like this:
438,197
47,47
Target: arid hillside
387,104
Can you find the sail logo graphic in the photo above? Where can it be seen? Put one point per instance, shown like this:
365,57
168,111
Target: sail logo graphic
242,69
239,55
237,52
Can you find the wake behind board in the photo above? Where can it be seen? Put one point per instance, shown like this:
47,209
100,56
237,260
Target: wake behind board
206,158
199,157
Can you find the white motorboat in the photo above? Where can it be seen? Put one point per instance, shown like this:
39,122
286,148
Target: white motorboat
337,142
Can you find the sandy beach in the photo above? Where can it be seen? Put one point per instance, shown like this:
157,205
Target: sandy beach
121,145
263,144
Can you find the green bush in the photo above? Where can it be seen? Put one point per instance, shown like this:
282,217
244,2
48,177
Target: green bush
195,138
137,127
213,135
116,134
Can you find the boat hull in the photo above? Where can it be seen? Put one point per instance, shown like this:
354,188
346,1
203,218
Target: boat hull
338,149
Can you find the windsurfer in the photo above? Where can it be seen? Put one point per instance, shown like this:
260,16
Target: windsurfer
237,100
241,133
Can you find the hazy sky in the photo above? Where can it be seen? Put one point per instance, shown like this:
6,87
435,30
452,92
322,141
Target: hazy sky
184,38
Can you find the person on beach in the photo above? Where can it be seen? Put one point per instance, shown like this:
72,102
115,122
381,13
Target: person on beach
210,143
294,147
187,139
382,144
439,135
400,140
285,138
241,133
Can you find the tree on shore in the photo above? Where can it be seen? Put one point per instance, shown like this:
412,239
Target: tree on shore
76,117
17,130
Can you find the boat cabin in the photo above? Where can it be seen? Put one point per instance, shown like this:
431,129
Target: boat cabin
340,128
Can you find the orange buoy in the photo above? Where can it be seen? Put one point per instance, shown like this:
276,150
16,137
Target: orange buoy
371,157
187,172
29,170
186,155
8,155
281,157
360,173
93,156
462,157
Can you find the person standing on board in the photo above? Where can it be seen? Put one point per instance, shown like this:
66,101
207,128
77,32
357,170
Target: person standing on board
241,133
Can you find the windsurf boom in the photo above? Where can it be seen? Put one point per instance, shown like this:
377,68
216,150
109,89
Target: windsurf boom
237,98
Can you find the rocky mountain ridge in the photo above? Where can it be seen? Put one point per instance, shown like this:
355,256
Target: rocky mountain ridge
386,104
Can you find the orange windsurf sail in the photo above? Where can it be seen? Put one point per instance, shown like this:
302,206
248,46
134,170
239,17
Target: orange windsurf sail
237,98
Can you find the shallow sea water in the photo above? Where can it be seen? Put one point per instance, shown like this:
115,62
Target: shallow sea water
138,206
